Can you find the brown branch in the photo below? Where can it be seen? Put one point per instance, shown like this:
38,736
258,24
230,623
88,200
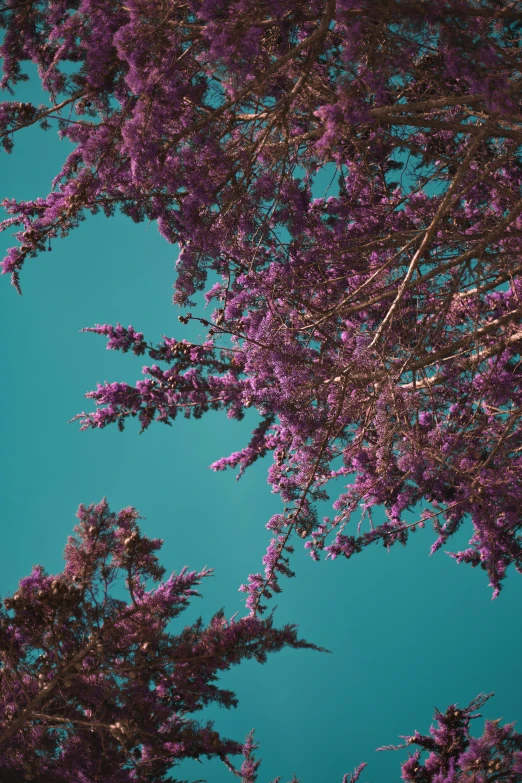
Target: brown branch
46,113
445,205
319,33
482,355
436,103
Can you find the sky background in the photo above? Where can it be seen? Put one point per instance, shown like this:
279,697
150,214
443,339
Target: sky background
406,632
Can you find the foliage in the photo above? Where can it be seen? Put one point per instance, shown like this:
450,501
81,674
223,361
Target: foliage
94,686
376,329
457,757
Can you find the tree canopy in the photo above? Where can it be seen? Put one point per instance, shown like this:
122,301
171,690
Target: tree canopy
95,687
375,328
343,180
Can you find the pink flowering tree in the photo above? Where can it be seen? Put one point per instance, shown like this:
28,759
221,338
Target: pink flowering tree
94,686
374,321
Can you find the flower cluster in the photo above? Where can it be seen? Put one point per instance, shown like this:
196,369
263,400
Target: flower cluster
94,687
455,756
376,328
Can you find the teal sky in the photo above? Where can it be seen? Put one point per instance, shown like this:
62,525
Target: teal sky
406,632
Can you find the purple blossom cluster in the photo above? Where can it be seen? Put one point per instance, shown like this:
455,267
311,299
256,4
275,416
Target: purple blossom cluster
95,687
377,328
455,756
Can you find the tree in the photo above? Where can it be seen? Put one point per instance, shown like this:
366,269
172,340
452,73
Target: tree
95,687
377,329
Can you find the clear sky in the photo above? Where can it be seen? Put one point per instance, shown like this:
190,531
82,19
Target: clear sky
406,632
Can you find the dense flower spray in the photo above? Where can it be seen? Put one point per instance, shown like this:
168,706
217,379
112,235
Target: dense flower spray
375,327
94,686
455,756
